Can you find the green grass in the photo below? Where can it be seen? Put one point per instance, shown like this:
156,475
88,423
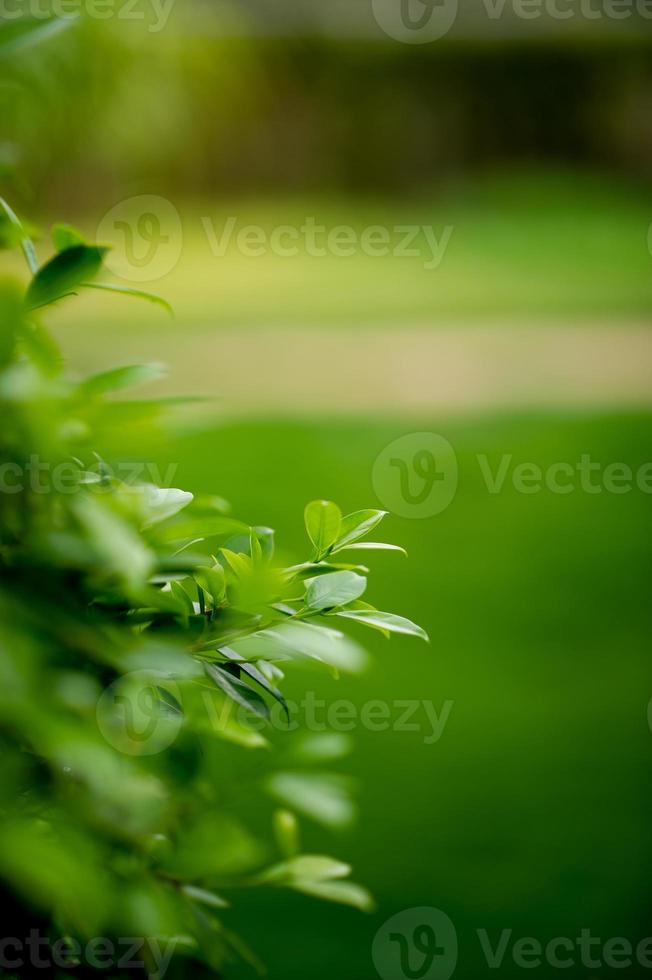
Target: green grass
535,245
532,811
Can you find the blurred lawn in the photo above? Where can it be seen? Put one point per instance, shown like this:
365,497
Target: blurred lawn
526,244
533,810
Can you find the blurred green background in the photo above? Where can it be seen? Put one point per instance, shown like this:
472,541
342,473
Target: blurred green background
532,140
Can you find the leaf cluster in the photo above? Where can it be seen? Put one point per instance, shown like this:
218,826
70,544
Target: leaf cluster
144,637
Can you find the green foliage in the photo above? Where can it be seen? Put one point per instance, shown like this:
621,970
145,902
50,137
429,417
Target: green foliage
15,35
323,520
143,635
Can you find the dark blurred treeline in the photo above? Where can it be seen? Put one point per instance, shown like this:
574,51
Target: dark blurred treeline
108,109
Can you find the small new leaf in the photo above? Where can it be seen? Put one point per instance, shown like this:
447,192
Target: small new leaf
22,33
373,546
204,897
238,691
25,241
384,621
328,591
130,291
357,525
340,892
213,582
322,518
64,273
119,378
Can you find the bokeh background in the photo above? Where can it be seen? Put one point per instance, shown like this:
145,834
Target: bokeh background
532,140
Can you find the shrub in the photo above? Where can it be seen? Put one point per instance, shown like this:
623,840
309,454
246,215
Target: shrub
144,633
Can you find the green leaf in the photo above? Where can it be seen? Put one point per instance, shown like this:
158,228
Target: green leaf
239,564
159,504
213,718
64,273
213,582
286,832
265,537
238,691
10,235
305,867
204,897
256,675
384,621
182,596
40,346
117,379
299,640
322,520
65,236
336,589
318,876
340,892
25,241
310,570
324,645
325,798
355,526
122,551
320,747
373,546
130,291
200,526
22,33
10,319
254,547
